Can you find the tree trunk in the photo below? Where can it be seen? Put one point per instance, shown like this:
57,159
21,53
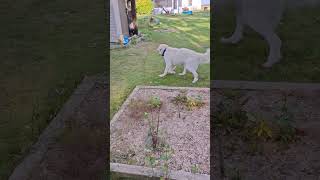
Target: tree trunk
134,14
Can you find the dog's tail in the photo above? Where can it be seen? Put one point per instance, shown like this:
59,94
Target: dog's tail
206,57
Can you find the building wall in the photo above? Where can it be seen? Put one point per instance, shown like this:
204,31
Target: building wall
196,4
123,17
205,2
167,3
113,24
118,20
163,3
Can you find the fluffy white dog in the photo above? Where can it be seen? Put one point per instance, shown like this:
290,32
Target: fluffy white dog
182,56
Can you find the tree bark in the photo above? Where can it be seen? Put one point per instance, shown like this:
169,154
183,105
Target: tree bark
134,14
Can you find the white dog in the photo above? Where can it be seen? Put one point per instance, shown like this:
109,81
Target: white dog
263,16
182,56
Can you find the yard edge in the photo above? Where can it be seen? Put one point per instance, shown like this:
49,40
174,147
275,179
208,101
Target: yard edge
39,149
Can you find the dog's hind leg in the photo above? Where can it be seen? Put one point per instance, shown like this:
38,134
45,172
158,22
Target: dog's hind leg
264,19
274,42
195,76
193,70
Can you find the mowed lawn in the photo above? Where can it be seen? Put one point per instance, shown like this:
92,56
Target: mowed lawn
45,49
299,31
142,64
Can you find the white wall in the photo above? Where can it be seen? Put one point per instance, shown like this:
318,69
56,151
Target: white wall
196,4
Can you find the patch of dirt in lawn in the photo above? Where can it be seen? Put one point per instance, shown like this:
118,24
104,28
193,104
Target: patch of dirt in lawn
79,154
172,30
188,135
271,159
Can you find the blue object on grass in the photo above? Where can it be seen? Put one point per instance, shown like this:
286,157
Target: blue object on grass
125,40
187,12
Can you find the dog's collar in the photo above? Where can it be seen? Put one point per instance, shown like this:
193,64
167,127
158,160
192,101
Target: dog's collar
164,51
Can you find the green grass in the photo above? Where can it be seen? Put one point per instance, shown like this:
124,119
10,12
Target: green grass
45,49
299,32
141,65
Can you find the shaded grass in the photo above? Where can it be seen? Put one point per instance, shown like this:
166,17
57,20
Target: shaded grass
141,65
299,31
46,49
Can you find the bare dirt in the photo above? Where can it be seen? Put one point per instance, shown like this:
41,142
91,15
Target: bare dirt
188,135
169,30
296,160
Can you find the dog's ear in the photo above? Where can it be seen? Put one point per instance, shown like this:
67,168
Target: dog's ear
165,46
160,48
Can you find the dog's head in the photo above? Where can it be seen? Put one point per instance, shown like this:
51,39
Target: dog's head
161,48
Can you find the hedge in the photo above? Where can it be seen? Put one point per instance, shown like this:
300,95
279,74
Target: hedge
144,7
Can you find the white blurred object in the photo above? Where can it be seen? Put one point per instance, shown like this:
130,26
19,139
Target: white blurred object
157,11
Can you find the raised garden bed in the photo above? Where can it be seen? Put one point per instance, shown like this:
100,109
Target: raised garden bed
266,130
165,129
73,145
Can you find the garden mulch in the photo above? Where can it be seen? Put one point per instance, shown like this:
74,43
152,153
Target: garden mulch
188,135
297,160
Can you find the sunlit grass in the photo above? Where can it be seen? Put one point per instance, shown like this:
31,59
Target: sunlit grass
141,65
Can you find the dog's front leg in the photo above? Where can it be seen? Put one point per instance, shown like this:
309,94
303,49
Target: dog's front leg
184,71
166,70
172,69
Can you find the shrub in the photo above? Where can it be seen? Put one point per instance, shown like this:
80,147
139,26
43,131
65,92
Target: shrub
144,7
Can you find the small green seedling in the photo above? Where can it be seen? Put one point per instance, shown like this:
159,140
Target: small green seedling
262,131
287,133
194,103
180,100
194,169
150,159
155,102
164,158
